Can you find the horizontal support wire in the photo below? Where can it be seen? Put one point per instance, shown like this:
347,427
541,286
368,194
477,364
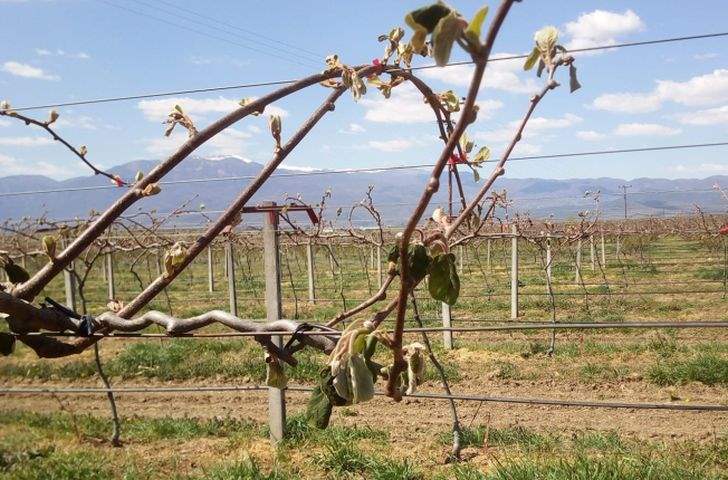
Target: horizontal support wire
424,395
512,327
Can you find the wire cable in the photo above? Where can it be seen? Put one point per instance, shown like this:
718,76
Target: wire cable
284,82
380,169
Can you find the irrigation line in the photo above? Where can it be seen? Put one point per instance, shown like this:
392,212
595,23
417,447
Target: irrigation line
511,327
426,395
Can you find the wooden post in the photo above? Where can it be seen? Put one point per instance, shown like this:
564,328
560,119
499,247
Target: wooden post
379,266
276,397
230,262
604,257
446,323
592,252
110,275
577,275
514,273
210,270
311,267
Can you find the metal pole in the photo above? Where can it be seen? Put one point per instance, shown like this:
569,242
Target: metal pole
276,397
446,323
110,275
311,267
210,270
514,273
230,262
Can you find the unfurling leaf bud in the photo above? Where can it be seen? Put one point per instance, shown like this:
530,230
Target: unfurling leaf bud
174,258
52,117
546,40
4,105
116,180
274,122
151,189
138,177
82,150
49,246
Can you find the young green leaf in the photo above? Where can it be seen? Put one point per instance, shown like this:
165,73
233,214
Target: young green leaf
319,408
448,29
444,284
532,59
419,261
426,18
16,273
476,25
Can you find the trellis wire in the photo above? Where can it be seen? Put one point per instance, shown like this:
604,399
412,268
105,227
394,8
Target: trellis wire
424,395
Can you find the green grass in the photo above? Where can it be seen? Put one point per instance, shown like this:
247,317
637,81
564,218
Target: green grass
344,460
135,429
518,437
707,368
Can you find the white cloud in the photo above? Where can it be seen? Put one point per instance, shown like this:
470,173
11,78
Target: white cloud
396,145
601,27
229,142
710,116
713,168
13,166
705,56
702,90
352,128
27,71
525,148
534,128
44,52
157,110
590,135
407,105
627,102
25,141
639,129
506,75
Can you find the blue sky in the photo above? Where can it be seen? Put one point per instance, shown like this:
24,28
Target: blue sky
65,50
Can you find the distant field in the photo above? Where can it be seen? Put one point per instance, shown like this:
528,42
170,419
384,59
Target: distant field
223,435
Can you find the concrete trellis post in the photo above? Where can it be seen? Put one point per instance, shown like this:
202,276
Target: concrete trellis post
460,259
577,275
548,256
487,255
446,323
230,262
110,275
604,255
276,397
514,273
592,252
379,266
210,270
311,268
69,282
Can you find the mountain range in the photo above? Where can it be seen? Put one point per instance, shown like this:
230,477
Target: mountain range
394,192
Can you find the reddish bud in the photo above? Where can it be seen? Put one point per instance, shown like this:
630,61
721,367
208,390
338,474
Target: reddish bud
724,229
